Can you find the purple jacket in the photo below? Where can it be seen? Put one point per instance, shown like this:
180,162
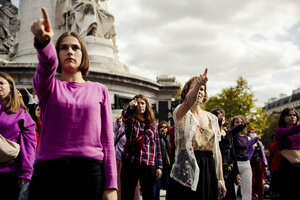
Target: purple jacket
20,128
261,147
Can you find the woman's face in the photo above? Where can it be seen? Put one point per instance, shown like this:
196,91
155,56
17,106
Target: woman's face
290,119
221,117
4,88
201,93
237,122
141,106
70,54
163,129
38,112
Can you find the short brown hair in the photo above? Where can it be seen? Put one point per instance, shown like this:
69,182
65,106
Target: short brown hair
12,102
187,87
85,63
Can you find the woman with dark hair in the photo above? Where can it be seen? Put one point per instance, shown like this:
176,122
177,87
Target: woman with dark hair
230,169
145,163
163,182
288,140
76,155
15,125
198,161
241,146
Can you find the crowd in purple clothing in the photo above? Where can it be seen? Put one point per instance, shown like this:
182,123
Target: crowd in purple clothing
79,157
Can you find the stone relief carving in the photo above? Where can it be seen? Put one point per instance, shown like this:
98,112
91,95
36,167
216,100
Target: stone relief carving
85,17
9,25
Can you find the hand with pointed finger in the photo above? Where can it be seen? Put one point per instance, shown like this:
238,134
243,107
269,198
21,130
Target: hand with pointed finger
42,29
132,104
202,79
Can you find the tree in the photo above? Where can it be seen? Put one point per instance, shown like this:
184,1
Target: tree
177,95
239,100
272,124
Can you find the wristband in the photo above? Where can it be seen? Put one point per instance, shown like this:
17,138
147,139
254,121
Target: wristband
222,182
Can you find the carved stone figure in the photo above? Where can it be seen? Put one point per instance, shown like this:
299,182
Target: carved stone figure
85,17
9,25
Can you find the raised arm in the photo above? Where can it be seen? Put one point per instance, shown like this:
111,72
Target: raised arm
191,96
45,73
128,114
26,91
42,29
283,132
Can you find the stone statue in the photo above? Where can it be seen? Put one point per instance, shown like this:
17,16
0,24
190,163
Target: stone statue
85,17
9,25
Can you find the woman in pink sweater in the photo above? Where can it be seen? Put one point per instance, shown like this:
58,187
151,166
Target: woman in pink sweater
76,154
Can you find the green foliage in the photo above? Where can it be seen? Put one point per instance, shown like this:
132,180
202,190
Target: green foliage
177,95
239,100
272,122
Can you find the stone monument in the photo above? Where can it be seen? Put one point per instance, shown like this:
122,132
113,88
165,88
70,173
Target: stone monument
92,20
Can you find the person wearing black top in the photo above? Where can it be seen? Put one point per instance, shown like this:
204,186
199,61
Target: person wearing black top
163,182
230,169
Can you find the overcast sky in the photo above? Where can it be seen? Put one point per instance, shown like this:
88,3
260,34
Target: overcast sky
255,39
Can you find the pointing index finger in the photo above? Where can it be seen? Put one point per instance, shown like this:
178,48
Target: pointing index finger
205,72
46,20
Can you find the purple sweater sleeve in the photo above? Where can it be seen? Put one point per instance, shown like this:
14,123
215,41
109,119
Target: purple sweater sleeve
28,145
283,132
43,79
237,129
264,159
107,140
252,141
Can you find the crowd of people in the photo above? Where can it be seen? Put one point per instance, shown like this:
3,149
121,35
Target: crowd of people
71,149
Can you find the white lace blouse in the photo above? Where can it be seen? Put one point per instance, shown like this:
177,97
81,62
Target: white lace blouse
185,169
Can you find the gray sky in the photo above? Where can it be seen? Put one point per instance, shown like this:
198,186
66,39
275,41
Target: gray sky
255,39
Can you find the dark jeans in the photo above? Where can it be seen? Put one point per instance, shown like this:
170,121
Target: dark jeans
9,189
131,173
67,178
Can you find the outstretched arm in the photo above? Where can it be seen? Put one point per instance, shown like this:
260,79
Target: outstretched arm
191,96
42,29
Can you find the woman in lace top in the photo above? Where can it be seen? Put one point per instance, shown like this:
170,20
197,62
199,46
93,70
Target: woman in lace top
198,161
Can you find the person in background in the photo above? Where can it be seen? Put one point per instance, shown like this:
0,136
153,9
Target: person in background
32,100
163,182
259,166
15,125
241,146
230,169
76,155
288,140
120,140
274,159
144,164
198,161
36,116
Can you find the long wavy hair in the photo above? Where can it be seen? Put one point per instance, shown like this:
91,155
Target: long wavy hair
285,112
11,103
148,114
